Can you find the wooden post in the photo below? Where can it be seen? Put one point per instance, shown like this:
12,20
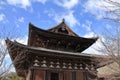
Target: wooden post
32,74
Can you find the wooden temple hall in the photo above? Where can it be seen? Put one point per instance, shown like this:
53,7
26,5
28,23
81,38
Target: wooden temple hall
54,54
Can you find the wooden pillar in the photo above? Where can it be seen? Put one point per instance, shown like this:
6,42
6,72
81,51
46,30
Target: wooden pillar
61,76
32,74
46,75
74,75
85,77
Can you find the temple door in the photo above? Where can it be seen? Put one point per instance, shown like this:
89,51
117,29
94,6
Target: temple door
54,75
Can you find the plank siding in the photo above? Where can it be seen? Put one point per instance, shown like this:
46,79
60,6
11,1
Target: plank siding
39,75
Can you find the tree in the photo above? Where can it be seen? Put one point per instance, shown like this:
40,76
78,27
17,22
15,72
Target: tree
13,76
3,53
111,46
111,43
112,10
5,66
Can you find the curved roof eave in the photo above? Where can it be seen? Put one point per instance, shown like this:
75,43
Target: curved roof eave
34,30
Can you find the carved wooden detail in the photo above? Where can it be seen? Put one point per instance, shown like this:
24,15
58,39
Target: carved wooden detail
49,63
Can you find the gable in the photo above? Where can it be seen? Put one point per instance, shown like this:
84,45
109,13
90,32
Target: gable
62,28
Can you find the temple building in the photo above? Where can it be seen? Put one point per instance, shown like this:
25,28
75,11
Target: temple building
54,54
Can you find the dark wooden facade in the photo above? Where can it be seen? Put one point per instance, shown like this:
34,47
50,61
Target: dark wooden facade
54,54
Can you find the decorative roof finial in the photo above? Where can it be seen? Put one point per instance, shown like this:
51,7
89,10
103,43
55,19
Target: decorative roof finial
63,20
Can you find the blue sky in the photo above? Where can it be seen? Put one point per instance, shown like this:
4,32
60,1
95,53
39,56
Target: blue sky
84,17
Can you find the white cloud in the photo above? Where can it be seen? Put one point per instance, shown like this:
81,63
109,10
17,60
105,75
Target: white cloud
22,40
21,3
1,4
21,19
108,26
98,8
2,17
68,16
90,34
67,3
87,25
94,7
41,1
24,3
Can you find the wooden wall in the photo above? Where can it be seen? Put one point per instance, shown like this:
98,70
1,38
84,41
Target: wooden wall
67,75
63,75
79,75
39,75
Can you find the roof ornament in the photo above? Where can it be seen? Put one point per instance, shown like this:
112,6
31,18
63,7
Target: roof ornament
63,20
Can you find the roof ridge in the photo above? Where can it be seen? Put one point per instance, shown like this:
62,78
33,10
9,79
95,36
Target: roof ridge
56,25
63,24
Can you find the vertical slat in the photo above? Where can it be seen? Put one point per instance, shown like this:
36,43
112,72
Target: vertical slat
74,75
32,74
46,75
85,75
67,75
40,75
61,75
79,75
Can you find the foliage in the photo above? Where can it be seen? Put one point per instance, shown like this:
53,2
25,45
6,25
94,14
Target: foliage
12,76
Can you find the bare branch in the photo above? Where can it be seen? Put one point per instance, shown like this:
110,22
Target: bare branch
5,67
